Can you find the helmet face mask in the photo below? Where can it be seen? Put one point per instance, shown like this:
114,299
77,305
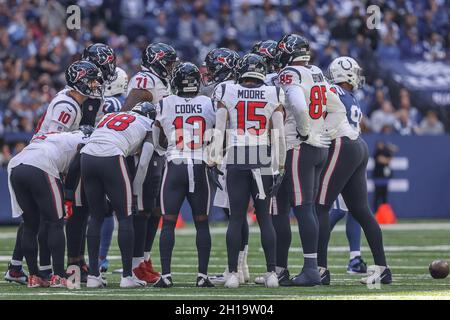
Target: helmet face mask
104,58
220,66
186,79
160,59
85,78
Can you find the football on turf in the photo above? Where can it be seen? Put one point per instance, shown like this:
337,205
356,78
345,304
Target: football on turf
439,269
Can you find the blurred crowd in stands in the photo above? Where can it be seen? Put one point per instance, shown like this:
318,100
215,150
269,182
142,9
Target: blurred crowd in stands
36,46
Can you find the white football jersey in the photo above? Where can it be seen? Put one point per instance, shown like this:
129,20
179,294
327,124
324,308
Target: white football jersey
313,84
145,80
249,112
63,114
186,123
119,133
51,152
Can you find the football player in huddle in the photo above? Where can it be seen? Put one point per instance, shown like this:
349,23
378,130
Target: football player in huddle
185,119
345,173
150,84
220,64
105,174
308,99
75,198
83,81
249,107
37,195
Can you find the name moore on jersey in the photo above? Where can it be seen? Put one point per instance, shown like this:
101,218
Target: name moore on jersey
187,124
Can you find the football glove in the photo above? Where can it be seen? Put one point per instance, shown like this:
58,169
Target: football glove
277,180
68,204
213,174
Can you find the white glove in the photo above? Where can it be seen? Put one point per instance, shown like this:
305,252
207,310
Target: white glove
319,140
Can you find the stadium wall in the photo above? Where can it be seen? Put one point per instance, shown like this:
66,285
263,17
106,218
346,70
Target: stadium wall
420,187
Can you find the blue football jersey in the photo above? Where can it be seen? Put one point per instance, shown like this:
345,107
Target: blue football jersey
354,114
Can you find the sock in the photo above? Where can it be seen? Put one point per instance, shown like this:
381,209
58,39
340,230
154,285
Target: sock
309,231
279,270
335,216
323,216
17,256
234,240
30,248
57,246
45,256
310,261
45,268
203,243
353,233
140,234
166,244
245,232
76,233
126,242
354,254
136,261
268,238
152,228
282,227
147,256
16,263
93,243
106,236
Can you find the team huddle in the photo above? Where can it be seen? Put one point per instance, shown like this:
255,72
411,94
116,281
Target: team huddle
274,133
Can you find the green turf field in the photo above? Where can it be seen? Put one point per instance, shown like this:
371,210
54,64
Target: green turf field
410,247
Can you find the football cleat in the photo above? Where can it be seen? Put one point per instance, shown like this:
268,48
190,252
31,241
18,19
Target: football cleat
16,274
203,282
377,274
259,279
149,267
37,282
284,278
164,282
308,277
142,273
103,265
132,282
232,280
357,266
58,282
325,277
271,280
96,282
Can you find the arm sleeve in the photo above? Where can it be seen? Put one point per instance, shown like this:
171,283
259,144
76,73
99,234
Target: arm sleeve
144,161
279,154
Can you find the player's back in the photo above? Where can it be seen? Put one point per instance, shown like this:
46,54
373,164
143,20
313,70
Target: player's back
313,84
145,80
185,122
250,109
118,133
51,152
63,114
351,127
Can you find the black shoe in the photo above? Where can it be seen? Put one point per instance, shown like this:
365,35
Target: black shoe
284,279
325,277
164,282
46,274
357,266
84,272
309,277
204,283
